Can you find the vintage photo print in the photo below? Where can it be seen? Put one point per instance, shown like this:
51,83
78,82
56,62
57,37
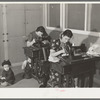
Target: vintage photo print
49,49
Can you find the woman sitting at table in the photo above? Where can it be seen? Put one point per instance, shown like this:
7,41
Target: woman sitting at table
38,38
60,48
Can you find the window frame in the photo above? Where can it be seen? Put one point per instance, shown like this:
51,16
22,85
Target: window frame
87,19
46,17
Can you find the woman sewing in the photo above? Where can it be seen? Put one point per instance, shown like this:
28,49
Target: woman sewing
59,49
39,40
38,37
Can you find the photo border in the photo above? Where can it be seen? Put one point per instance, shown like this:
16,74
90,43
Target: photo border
58,91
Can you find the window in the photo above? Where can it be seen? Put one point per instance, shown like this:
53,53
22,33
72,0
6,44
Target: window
95,18
53,15
75,16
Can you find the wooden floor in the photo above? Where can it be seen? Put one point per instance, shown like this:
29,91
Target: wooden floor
28,83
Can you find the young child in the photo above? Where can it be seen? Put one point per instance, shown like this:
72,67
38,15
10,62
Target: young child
27,67
7,77
60,48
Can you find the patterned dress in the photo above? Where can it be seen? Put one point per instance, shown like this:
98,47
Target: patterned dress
28,71
57,77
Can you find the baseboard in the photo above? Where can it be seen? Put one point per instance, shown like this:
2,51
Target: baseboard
17,64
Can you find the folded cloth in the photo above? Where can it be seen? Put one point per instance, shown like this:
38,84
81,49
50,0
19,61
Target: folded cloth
94,50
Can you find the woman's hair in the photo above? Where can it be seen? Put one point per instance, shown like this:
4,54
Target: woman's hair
42,29
67,33
6,62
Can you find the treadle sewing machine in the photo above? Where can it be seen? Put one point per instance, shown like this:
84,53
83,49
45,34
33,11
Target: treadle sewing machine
80,66
38,56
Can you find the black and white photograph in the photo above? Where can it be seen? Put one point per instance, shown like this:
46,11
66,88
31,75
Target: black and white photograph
50,45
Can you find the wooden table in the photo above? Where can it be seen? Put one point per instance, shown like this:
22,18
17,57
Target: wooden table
83,69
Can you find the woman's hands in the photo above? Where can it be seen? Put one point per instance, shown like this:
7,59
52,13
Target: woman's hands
64,53
33,41
45,42
30,43
3,78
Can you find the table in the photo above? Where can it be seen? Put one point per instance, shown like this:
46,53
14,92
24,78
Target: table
83,69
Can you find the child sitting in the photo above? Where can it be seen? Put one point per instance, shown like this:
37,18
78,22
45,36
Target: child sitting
7,77
27,67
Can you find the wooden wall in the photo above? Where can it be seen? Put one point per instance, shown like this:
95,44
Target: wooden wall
21,20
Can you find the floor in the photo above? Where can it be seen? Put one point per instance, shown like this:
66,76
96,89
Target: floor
20,81
28,83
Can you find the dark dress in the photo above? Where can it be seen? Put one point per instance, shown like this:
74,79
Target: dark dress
33,35
39,44
9,75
